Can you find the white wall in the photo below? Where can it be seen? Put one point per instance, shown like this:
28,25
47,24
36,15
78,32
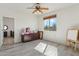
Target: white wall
21,21
66,18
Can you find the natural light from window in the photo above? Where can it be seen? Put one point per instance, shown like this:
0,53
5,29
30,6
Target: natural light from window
46,49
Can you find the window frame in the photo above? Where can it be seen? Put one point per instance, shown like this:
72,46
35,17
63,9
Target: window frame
49,27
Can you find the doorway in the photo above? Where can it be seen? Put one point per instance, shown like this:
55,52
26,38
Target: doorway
8,31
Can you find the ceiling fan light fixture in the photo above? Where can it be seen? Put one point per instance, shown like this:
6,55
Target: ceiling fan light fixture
44,11
37,12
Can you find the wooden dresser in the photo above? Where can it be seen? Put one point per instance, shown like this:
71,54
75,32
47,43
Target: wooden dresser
32,36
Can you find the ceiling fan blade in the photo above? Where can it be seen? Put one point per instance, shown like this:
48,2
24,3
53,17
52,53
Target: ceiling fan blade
31,8
34,11
44,8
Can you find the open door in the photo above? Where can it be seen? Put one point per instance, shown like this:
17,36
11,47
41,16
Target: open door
8,31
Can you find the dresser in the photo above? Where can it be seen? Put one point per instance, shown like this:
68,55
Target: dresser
32,36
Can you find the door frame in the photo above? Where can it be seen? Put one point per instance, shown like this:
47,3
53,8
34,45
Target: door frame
13,29
1,31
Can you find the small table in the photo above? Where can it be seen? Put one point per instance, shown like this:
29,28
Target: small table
75,43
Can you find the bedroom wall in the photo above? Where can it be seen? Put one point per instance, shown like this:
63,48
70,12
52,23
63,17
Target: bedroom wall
20,20
23,21
66,18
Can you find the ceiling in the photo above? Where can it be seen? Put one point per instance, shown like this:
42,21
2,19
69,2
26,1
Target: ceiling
22,7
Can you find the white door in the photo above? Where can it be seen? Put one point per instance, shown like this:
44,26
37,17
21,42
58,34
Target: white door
1,32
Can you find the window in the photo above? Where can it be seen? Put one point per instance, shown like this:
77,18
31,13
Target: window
50,23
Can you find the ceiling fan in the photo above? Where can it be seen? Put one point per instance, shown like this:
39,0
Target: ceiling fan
37,8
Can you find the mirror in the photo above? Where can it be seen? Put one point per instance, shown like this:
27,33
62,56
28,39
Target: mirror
72,34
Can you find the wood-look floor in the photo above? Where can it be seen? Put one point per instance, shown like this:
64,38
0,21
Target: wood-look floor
27,49
8,41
